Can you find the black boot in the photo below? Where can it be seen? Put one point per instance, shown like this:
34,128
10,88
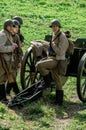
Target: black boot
59,97
45,82
15,88
8,88
2,92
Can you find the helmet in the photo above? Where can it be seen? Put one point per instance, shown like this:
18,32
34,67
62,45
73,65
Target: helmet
55,22
8,22
15,22
19,19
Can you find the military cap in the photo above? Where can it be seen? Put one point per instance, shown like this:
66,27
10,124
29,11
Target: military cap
19,19
8,22
15,22
55,22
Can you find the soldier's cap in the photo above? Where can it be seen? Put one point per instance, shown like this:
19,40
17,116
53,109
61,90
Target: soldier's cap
15,22
8,22
55,22
19,19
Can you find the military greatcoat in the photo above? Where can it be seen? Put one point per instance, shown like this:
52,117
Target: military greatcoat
7,56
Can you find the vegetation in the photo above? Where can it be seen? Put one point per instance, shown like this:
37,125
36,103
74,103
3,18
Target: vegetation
41,115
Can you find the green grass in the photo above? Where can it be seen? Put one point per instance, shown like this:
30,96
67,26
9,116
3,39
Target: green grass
41,115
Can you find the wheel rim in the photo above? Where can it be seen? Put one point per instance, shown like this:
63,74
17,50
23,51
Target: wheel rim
81,79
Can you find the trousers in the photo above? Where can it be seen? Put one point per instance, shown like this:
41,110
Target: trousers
47,65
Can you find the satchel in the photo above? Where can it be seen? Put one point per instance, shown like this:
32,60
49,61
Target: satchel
70,49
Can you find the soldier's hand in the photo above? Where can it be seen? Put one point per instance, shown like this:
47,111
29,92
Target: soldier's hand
15,45
19,65
53,43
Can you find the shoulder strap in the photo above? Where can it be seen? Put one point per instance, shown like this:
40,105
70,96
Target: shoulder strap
56,37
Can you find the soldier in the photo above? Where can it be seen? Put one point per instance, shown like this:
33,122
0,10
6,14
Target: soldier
7,46
19,19
56,55
17,57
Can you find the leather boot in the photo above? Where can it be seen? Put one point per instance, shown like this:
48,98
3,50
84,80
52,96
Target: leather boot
59,97
15,88
2,92
45,82
8,88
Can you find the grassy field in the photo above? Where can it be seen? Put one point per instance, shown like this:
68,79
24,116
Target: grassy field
41,115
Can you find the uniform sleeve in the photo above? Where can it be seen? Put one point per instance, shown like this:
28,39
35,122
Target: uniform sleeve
3,47
20,55
21,37
61,47
20,52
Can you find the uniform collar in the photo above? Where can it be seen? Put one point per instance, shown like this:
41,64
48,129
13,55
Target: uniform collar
9,36
57,33
7,32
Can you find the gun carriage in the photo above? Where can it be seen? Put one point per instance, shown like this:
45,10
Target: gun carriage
30,78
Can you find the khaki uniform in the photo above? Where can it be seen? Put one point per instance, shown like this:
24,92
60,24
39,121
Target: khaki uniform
7,56
55,64
17,56
6,50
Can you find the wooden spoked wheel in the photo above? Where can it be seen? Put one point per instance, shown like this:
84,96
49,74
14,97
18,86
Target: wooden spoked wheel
28,73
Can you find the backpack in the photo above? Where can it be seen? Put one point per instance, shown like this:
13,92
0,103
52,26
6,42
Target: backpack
70,49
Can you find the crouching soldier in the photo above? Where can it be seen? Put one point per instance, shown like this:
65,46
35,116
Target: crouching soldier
56,55
16,59
7,47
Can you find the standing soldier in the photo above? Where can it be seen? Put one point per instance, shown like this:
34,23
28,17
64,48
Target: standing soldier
17,57
56,55
19,19
7,46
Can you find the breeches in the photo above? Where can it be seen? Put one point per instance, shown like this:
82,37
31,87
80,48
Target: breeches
47,65
13,75
3,76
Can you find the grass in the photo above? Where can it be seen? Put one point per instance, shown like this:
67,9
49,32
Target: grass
41,115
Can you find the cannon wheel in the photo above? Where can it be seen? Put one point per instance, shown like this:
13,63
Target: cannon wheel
28,74
81,79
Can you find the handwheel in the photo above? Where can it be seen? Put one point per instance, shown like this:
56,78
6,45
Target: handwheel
28,74
81,79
